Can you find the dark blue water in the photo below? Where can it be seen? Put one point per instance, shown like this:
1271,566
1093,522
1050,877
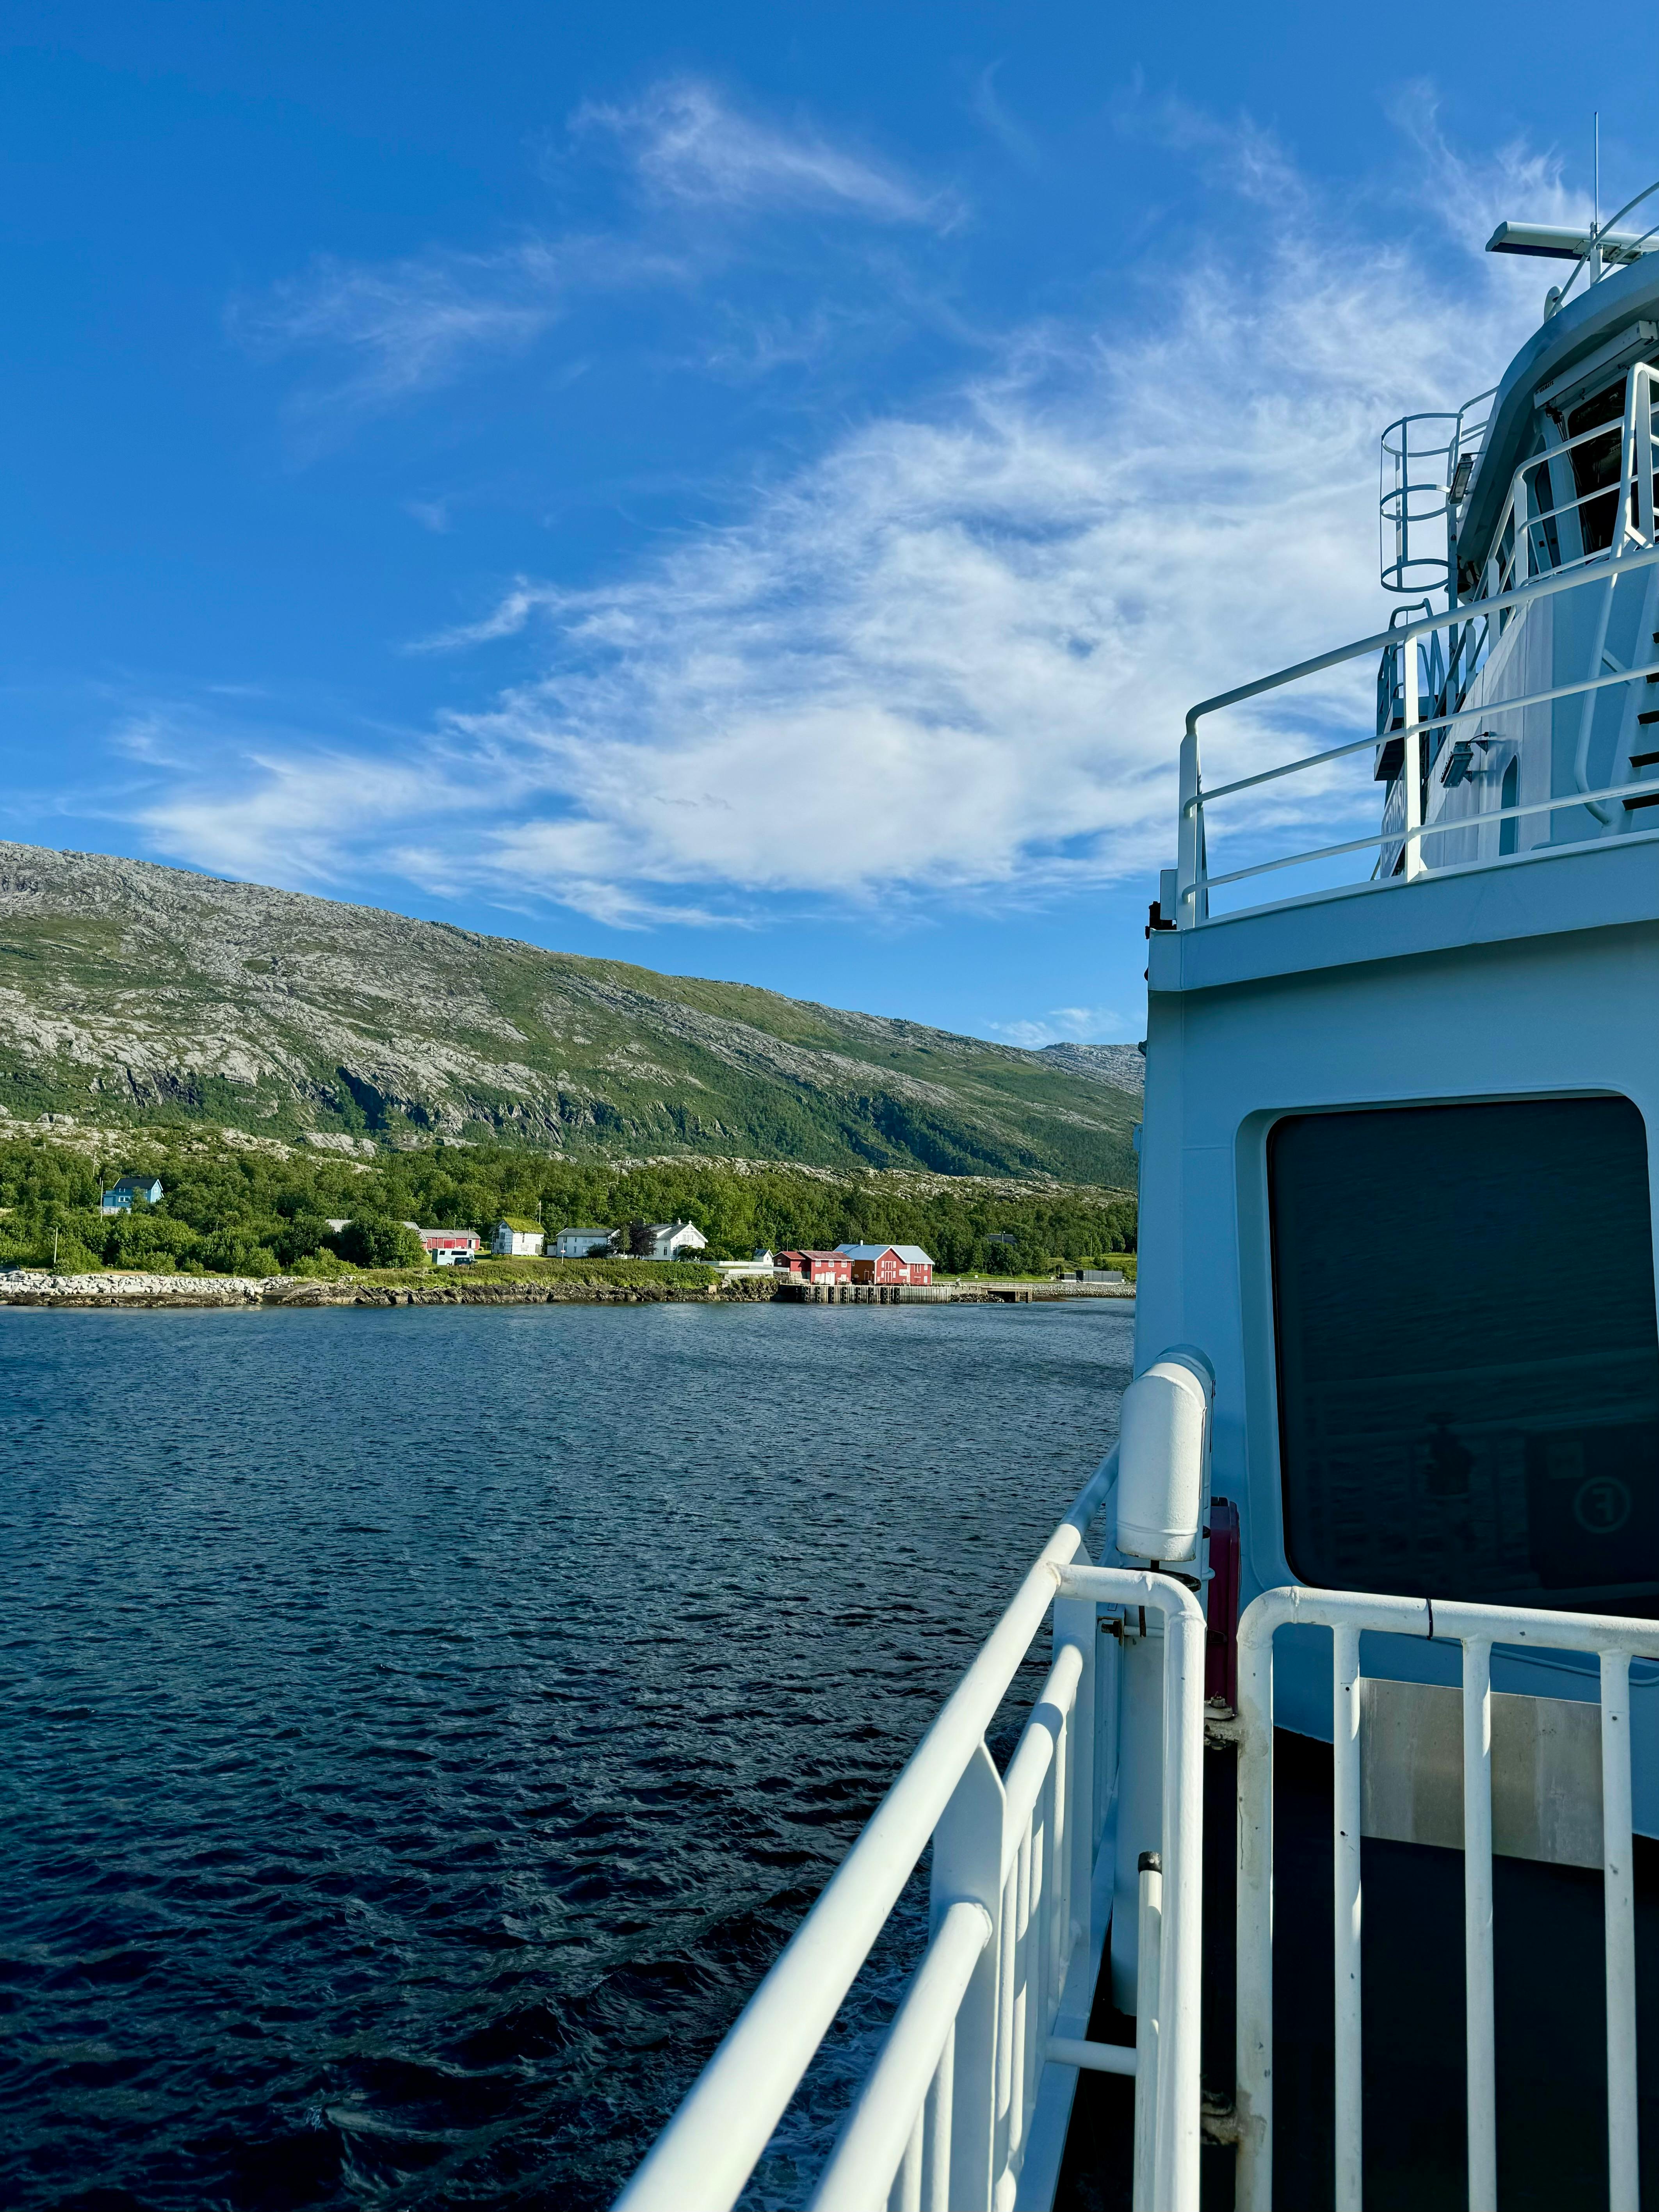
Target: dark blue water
423,1727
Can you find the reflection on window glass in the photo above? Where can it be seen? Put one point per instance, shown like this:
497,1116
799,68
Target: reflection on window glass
1468,1370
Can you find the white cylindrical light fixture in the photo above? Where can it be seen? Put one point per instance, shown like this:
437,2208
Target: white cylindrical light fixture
1160,1463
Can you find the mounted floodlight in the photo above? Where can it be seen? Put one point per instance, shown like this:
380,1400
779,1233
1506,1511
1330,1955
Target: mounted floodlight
1456,769
1460,475
1547,241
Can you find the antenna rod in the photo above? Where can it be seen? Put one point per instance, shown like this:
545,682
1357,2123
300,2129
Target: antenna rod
1596,219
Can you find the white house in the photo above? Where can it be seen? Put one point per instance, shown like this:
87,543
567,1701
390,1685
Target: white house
581,1243
674,1240
131,1190
517,1239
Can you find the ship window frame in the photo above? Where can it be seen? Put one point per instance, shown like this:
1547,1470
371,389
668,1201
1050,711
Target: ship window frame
1272,1532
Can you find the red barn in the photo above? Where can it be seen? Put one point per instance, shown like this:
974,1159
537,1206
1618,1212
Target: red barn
819,1267
450,1248
888,1263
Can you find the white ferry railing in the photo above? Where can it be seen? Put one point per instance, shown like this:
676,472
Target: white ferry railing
1349,1615
1195,880
1521,519
1615,249
944,2118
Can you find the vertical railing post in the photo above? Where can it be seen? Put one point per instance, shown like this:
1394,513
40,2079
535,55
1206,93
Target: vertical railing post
1192,900
1181,1976
1618,1920
1076,1622
1411,765
1012,2070
1624,525
968,1863
1642,395
1255,2091
1344,1919
1104,1749
1148,1972
1479,2028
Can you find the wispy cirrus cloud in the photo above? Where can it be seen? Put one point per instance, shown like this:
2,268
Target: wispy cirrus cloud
687,144
988,107
404,326
948,658
388,332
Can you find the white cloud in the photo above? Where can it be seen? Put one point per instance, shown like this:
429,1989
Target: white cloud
1062,1025
988,109
951,657
687,144
956,653
408,325
302,815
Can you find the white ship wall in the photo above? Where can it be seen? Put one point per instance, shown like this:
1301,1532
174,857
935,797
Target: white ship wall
1539,979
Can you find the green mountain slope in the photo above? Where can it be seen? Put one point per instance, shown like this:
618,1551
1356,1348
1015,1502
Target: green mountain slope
143,994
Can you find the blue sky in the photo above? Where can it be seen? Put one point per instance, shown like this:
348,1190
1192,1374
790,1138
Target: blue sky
750,491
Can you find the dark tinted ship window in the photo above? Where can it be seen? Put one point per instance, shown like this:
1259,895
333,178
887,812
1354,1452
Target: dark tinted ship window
1468,1370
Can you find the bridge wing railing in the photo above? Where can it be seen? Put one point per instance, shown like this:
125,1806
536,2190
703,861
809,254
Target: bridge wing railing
1455,737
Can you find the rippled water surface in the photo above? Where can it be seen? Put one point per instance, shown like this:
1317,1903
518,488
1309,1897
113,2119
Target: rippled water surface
423,1727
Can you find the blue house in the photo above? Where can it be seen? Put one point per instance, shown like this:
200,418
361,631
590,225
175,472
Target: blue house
130,1191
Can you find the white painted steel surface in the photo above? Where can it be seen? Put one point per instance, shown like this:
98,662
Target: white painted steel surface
913,2065
1092,2057
1181,1913
1349,2128
1474,681
1160,1478
1481,2035
1618,1913
1476,1628
965,2105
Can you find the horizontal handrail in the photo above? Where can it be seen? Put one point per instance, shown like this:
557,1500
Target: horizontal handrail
1540,587
1402,836
1441,721
709,2148
1454,1619
1092,2057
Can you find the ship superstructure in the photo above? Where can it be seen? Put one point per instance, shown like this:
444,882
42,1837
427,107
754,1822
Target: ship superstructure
1377,1598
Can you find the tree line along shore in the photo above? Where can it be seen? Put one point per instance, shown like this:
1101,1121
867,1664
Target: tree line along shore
252,1211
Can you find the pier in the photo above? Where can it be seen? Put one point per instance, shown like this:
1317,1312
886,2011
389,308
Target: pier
1009,1292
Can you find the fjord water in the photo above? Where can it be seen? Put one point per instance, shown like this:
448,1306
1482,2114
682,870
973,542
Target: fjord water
422,1727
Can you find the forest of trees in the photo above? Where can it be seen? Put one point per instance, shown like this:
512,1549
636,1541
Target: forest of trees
234,1211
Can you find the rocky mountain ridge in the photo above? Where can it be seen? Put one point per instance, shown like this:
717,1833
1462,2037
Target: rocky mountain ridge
133,992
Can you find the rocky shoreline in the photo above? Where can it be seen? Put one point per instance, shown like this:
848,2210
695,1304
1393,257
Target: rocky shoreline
36,1287
453,1287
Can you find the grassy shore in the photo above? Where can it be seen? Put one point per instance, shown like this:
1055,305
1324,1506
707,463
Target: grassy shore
653,1275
